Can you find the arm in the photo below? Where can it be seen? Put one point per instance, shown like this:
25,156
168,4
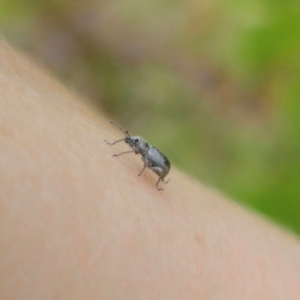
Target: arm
79,224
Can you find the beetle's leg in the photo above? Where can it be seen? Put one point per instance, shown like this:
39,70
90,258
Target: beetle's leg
115,155
113,142
166,181
145,166
160,189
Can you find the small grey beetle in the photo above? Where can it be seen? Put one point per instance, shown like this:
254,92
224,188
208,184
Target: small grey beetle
152,157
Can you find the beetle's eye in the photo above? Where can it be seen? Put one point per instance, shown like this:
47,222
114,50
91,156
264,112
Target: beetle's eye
136,140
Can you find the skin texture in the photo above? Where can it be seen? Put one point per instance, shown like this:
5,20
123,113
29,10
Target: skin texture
76,223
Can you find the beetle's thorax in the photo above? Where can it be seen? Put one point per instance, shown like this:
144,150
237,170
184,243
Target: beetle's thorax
138,144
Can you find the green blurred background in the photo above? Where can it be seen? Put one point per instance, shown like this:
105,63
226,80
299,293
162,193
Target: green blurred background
213,84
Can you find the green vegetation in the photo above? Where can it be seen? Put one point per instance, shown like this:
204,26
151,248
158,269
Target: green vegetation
214,84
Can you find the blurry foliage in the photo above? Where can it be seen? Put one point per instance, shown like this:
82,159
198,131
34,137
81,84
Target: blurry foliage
214,84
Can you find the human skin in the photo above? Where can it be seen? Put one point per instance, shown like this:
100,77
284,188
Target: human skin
76,223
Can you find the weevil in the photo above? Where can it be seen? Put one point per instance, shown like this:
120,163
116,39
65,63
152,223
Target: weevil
151,156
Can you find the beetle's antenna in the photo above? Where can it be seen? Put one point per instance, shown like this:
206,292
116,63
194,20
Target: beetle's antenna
125,132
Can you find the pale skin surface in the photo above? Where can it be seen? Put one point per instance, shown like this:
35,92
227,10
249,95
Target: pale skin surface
76,223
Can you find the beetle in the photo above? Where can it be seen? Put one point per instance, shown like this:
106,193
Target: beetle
153,158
